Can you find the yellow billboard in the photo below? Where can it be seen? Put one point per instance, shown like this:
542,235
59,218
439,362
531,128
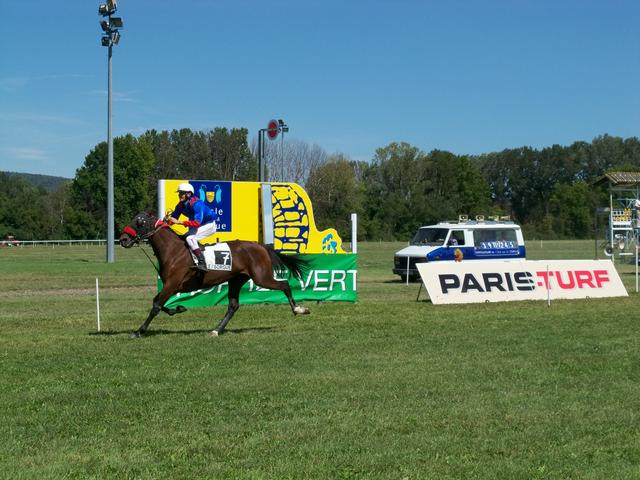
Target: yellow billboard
284,218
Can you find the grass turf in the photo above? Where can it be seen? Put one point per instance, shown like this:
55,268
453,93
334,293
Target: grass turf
389,387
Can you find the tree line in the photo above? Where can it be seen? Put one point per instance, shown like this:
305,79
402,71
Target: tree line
549,191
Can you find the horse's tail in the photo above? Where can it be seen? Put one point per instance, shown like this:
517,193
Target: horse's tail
295,263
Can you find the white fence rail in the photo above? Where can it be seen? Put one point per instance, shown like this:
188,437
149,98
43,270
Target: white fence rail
51,243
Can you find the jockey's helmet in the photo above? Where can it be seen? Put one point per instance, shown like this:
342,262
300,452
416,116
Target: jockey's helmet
185,187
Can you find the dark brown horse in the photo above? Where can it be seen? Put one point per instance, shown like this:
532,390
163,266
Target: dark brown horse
249,260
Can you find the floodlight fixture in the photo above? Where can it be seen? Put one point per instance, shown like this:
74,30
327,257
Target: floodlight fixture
115,37
105,25
116,22
109,8
106,41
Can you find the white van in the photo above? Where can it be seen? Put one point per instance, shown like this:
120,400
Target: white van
463,240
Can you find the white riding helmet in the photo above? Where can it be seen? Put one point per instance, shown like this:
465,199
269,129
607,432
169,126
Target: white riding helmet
185,187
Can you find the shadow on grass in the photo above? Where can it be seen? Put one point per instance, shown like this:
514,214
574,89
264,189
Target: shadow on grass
161,331
398,280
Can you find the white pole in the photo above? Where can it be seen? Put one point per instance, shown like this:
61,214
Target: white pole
98,303
354,233
548,288
408,270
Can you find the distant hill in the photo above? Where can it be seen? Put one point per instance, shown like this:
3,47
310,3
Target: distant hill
47,182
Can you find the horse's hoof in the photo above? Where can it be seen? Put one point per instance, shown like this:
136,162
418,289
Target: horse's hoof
134,335
213,333
300,310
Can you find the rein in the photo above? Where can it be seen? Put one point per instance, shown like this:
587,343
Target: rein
152,262
156,227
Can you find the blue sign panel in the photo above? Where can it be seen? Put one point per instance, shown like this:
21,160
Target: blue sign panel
216,196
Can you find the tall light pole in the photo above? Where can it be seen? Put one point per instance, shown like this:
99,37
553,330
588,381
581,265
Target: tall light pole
110,37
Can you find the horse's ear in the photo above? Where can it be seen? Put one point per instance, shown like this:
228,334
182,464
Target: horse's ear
150,211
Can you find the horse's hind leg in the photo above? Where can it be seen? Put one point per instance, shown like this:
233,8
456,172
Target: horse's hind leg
283,286
295,308
235,284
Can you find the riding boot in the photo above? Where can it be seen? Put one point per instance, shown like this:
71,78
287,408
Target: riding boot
202,265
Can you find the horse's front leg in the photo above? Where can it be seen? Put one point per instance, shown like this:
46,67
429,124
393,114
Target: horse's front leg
158,302
174,311
155,309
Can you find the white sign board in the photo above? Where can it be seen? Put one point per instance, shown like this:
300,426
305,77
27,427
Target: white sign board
480,281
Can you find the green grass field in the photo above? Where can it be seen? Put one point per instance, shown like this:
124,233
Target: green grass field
389,388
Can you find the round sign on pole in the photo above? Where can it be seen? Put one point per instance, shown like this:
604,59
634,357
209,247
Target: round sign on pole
272,129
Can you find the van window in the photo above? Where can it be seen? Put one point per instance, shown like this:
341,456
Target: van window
430,236
495,238
457,237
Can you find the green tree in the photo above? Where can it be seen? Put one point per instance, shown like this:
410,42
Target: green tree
394,192
132,166
456,187
571,210
335,194
22,209
231,158
218,154
405,188
166,163
56,209
522,181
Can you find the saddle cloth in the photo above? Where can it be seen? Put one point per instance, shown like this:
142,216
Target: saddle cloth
218,256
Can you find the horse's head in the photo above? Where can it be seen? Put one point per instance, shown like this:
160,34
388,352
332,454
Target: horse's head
141,227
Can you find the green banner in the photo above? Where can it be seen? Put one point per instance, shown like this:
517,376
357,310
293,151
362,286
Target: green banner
328,277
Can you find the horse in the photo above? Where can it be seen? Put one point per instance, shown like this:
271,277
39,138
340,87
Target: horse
250,260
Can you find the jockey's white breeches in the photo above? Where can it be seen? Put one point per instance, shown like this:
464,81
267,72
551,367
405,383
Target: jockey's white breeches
202,232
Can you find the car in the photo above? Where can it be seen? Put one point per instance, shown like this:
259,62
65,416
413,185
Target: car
461,240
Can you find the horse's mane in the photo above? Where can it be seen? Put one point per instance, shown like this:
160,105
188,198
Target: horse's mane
173,235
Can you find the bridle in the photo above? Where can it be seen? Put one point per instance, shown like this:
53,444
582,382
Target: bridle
136,237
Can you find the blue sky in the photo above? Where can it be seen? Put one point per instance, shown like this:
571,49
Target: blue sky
348,75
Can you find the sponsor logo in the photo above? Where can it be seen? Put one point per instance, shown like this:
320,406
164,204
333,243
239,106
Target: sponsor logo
315,281
498,244
330,280
522,281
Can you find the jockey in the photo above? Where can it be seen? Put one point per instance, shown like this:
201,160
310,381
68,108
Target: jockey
201,220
